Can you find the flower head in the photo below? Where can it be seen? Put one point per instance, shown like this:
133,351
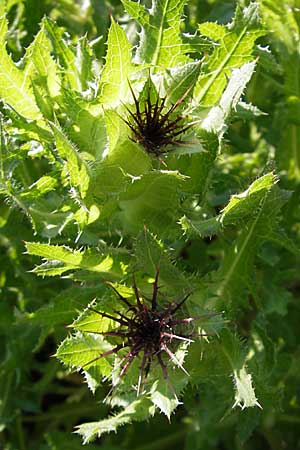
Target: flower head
155,126
149,332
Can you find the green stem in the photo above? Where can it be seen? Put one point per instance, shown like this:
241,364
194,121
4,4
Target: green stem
20,431
9,380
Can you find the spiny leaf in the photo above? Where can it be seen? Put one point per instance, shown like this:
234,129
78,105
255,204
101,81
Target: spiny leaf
63,308
40,187
162,396
218,115
65,55
84,60
160,43
138,410
151,254
201,228
90,321
129,156
15,84
78,350
67,259
235,355
77,168
199,166
153,199
240,208
245,204
85,126
181,79
244,395
40,64
236,271
236,43
114,87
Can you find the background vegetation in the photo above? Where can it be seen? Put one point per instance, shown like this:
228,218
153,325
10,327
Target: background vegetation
222,218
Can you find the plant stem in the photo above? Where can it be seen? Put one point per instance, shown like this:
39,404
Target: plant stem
20,431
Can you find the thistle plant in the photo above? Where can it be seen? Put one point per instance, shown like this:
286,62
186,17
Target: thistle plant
85,125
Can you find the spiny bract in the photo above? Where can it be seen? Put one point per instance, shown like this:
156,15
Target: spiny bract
148,330
153,126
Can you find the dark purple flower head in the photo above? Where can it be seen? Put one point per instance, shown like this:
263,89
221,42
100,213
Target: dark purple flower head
149,332
155,126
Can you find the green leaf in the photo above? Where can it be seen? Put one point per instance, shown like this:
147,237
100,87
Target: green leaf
243,205
236,271
114,87
76,166
248,421
246,111
63,308
160,43
217,116
244,392
140,409
199,166
181,79
164,398
235,355
90,321
235,47
15,84
165,393
84,60
151,254
129,156
136,11
277,299
80,351
85,127
153,200
109,181
240,208
65,54
40,64
65,259
200,228
40,187
47,219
